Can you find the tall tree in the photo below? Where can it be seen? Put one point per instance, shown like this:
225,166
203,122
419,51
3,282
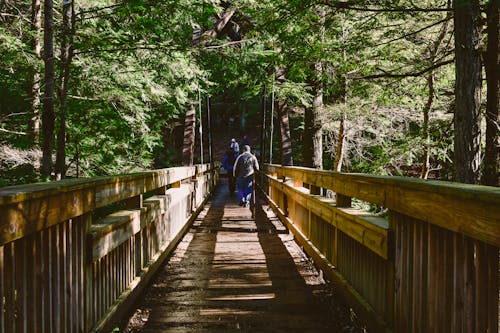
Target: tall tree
313,127
284,124
36,47
189,136
48,116
492,67
467,120
65,67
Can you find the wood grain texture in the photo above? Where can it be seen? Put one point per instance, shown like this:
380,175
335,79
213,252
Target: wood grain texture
364,227
26,209
472,210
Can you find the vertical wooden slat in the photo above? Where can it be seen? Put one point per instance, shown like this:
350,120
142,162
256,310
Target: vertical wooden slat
47,284
63,274
138,253
40,281
457,322
20,285
56,278
86,275
9,291
2,288
469,297
448,279
493,288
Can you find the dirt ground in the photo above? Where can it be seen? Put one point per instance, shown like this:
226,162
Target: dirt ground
233,273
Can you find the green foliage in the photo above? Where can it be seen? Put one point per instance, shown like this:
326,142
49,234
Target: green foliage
135,71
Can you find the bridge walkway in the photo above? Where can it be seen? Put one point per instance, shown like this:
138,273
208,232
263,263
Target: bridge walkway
233,273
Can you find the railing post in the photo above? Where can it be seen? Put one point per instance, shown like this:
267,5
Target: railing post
342,200
140,243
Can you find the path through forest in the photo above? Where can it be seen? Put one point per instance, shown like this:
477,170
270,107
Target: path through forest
231,273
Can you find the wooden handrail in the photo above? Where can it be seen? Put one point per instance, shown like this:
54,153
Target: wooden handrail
472,210
63,271
29,208
431,265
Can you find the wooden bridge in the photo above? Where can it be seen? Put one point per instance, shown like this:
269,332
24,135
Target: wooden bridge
76,255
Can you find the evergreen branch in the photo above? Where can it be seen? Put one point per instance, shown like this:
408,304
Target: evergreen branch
404,75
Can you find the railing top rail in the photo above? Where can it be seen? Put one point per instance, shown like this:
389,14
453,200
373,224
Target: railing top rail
460,190
472,210
32,207
19,193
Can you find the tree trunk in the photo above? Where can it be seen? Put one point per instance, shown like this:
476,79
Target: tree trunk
285,137
35,93
66,58
48,99
189,137
492,67
313,143
425,127
313,139
339,153
263,128
467,135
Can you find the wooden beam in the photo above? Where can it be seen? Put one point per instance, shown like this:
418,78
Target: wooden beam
472,210
29,208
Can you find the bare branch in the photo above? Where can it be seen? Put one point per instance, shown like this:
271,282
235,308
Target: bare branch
12,132
352,5
415,32
212,47
403,75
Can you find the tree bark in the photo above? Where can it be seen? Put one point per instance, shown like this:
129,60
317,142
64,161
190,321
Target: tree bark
48,99
66,58
285,137
467,131
263,130
189,137
492,66
313,138
339,153
35,92
426,132
313,128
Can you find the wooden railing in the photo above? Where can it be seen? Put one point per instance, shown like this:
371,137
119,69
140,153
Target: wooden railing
75,254
431,265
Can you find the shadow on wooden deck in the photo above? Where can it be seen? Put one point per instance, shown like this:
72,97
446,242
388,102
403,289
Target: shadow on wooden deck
232,273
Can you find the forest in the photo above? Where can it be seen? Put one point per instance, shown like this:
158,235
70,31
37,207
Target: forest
385,87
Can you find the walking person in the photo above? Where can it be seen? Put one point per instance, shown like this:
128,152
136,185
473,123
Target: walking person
244,168
228,164
235,147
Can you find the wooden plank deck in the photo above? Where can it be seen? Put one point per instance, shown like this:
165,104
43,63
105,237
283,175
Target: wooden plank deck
231,273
